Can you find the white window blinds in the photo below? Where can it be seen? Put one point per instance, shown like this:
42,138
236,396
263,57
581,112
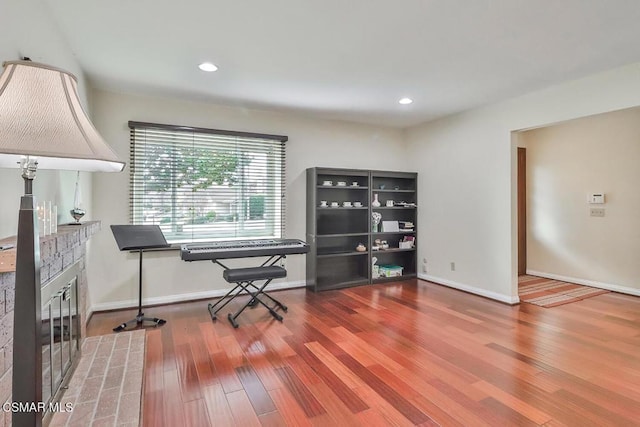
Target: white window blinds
207,184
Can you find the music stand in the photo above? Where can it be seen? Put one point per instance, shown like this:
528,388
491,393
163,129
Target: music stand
138,238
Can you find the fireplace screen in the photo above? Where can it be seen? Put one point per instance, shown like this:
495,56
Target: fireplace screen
60,331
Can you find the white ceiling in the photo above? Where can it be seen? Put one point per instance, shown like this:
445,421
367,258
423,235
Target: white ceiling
348,59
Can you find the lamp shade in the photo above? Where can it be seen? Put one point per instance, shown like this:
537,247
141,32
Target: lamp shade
41,116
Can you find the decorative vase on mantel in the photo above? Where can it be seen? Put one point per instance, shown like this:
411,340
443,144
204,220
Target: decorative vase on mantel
376,202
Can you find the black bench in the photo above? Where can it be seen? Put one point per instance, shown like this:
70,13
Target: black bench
235,275
244,279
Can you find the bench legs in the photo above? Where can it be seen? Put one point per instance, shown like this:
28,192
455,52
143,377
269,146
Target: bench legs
255,291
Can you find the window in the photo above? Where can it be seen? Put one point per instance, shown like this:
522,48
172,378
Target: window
207,184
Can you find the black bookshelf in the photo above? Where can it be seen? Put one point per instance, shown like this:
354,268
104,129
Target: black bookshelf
336,228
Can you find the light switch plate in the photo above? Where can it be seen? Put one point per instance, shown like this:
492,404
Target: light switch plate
599,212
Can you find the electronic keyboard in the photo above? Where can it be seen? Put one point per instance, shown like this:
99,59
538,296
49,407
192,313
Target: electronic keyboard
241,249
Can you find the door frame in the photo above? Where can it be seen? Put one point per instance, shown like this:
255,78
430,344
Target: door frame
522,211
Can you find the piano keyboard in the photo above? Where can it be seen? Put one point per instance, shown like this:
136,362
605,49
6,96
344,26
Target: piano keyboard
241,249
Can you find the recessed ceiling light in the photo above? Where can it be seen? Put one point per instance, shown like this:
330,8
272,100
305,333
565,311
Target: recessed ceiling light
207,66
405,101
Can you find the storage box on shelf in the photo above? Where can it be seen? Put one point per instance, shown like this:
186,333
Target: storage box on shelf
339,226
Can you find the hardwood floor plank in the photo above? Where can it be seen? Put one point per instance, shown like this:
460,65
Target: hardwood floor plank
353,402
154,367
506,414
195,413
368,355
422,367
187,373
226,373
447,406
383,408
302,370
233,351
472,407
257,394
336,410
608,407
173,408
350,379
243,414
394,397
168,355
260,355
300,392
272,419
289,409
153,409
523,408
439,415
202,361
217,406
209,337
279,346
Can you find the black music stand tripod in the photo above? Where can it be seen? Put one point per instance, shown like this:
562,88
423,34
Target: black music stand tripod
138,238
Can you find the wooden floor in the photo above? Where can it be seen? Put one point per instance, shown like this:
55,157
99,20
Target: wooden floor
411,353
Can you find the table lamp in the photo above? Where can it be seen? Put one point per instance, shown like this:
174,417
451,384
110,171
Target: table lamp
42,125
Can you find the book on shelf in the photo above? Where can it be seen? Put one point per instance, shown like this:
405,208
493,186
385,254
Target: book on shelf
406,225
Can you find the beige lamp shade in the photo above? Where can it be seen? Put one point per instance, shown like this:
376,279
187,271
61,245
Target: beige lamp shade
41,116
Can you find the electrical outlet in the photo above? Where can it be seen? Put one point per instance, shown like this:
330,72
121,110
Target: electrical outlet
599,212
453,266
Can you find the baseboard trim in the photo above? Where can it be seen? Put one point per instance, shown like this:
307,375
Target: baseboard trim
471,289
586,282
169,299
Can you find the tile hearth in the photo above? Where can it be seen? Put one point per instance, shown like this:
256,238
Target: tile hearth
106,387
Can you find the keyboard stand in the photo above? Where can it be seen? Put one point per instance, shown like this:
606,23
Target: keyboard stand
245,279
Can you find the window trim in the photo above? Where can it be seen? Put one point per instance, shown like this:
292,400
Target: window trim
134,124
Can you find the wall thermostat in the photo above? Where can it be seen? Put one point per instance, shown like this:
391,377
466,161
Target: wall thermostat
596,198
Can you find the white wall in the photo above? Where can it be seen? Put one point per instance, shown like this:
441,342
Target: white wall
311,143
466,166
28,30
565,163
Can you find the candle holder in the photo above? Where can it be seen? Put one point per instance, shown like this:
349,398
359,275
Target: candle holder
77,214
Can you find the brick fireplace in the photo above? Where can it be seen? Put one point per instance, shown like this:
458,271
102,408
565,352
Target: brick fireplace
64,283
